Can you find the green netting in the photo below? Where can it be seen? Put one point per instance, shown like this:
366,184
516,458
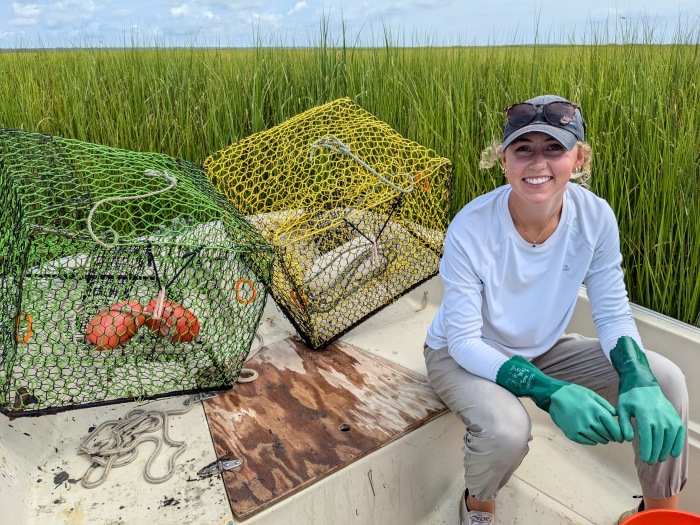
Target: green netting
356,212
123,275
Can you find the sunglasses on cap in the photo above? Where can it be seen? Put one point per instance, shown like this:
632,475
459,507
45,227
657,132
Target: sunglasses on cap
558,113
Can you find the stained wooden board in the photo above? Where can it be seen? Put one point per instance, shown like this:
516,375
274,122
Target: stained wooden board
290,426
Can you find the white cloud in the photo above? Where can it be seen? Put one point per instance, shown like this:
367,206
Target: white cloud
299,6
183,10
26,10
242,22
23,22
80,7
268,18
236,6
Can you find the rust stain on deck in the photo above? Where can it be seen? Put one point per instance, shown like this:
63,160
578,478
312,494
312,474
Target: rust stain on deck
308,414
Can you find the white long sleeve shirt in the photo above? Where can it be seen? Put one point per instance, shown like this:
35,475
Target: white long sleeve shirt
504,297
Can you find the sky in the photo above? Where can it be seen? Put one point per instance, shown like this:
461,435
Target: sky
245,23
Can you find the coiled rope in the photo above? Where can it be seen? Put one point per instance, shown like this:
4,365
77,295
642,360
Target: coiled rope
120,446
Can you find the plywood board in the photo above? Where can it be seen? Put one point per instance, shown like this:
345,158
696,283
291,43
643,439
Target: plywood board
308,414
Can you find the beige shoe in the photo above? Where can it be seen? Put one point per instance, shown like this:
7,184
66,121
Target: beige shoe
629,513
474,517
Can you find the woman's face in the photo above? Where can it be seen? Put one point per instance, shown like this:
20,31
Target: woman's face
538,167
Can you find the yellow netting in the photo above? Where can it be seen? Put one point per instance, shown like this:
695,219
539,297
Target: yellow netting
356,212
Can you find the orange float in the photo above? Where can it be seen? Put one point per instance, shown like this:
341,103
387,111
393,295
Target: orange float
176,322
111,328
131,307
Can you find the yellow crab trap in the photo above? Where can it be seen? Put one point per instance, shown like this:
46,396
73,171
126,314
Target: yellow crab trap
123,276
356,212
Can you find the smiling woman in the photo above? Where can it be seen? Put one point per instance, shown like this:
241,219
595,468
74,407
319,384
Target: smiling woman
538,169
507,304
543,149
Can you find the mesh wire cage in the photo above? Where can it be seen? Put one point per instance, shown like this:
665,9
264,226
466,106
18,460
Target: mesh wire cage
356,212
123,276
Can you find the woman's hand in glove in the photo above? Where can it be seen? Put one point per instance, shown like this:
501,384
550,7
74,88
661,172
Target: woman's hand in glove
584,416
661,430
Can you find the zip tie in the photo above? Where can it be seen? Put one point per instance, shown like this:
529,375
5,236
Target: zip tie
375,255
158,310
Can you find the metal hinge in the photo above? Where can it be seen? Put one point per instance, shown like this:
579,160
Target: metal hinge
219,466
200,397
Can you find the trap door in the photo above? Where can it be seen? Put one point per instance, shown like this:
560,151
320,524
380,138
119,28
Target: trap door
308,414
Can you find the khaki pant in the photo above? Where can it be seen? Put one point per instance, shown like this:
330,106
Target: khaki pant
499,427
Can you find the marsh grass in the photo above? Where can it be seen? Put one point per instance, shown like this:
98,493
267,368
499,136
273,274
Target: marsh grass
641,102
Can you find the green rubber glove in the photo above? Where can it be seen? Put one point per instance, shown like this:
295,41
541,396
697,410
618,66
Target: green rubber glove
661,430
583,416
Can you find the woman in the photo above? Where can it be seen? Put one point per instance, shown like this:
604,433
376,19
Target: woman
514,261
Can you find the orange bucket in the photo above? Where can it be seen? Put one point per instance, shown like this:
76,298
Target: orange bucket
663,517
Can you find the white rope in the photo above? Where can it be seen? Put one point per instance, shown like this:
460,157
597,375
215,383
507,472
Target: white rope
150,173
248,375
335,144
67,235
119,447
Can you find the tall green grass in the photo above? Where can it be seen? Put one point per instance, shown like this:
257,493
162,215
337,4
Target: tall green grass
641,102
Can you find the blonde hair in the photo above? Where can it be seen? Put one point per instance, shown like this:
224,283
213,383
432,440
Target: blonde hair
493,154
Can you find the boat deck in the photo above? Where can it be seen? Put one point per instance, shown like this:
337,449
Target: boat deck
415,478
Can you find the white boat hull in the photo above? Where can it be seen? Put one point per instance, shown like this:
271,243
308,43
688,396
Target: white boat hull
416,479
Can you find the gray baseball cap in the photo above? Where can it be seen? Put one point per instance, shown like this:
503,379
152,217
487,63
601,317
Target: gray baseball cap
567,134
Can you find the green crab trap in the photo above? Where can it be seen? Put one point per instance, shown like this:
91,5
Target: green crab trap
356,212
123,276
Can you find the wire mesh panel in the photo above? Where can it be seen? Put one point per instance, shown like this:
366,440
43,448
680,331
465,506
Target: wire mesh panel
123,275
356,212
